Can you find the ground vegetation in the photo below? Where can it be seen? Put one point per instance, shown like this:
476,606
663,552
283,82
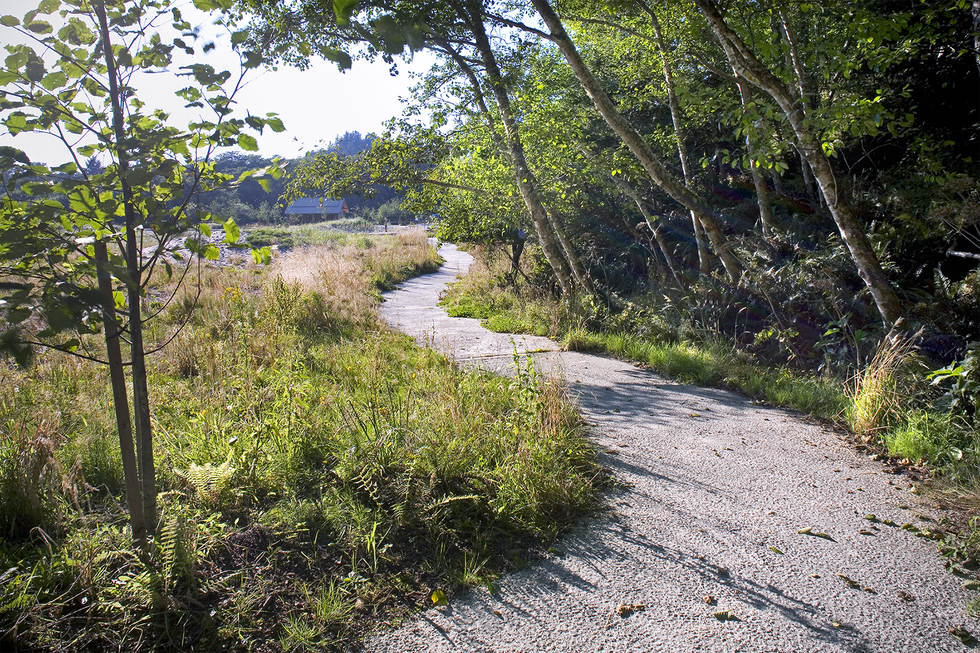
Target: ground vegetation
317,474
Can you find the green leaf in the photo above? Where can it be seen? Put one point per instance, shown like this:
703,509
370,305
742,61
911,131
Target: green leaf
239,37
212,253
248,143
15,123
262,256
55,80
232,232
13,153
40,27
252,60
344,9
9,21
274,123
213,5
341,58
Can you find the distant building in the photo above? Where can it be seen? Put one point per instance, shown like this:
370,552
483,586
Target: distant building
317,209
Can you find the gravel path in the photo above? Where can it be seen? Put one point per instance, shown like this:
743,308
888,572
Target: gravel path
705,525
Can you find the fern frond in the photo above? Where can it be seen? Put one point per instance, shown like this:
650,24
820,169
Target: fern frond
208,481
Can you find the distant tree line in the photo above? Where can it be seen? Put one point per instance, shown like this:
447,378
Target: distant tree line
249,204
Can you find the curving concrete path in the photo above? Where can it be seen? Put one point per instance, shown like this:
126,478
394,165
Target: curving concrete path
702,545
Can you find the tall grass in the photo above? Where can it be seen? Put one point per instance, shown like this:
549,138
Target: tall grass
310,463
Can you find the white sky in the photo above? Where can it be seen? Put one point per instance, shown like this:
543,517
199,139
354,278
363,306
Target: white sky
316,105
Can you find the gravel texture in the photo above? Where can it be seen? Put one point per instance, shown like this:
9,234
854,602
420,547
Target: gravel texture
701,550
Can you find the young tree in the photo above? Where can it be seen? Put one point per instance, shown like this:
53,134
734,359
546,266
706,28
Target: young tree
78,242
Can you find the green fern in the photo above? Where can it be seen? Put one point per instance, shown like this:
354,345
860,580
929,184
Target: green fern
208,481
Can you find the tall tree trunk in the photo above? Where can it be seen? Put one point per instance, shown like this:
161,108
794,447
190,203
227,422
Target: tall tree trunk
141,402
504,145
676,117
761,189
120,401
634,141
701,240
527,183
747,65
807,94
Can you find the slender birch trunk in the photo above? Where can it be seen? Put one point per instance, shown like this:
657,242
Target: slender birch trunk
657,171
554,250
141,401
676,117
761,189
120,400
747,65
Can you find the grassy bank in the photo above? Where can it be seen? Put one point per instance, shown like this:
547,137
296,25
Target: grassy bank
318,474
890,402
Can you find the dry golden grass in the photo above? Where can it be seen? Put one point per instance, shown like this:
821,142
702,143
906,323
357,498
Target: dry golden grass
337,274
878,397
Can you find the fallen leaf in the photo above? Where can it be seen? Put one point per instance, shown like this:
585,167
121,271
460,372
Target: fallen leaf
870,517
438,597
905,596
498,613
775,550
848,581
972,584
814,575
626,609
725,615
710,600
835,624
809,531
865,531
695,415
